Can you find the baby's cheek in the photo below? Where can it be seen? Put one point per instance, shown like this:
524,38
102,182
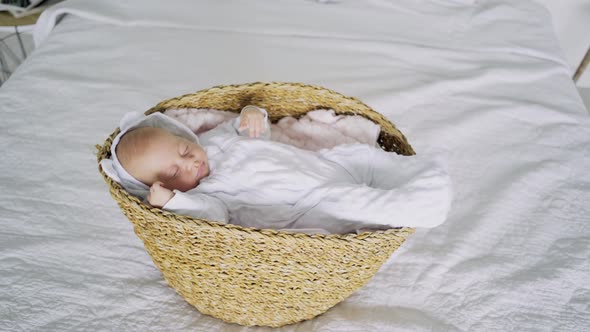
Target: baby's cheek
170,184
182,185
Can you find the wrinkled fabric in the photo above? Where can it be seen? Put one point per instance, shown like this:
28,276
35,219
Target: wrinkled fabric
318,129
483,80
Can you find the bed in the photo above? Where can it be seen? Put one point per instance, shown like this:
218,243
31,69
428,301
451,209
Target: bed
483,82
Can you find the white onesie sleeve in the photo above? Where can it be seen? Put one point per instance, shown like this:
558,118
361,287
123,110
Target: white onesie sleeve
220,134
198,205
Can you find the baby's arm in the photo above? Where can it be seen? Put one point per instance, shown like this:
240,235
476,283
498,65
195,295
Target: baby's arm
159,195
195,204
252,122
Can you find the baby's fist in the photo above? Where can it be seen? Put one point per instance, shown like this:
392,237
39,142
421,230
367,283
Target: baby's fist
253,119
159,195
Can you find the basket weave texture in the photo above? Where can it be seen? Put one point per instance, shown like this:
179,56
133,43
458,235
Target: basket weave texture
252,276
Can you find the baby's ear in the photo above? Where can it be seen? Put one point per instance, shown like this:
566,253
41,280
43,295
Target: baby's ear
130,119
107,167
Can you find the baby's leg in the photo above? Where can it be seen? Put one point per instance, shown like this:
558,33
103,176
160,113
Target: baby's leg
380,169
389,170
422,202
390,189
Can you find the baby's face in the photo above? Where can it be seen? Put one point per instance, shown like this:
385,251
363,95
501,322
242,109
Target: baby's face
175,161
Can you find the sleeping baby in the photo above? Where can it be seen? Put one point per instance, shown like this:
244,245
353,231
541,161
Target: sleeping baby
234,173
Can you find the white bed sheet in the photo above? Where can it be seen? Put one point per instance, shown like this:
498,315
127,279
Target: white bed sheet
482,80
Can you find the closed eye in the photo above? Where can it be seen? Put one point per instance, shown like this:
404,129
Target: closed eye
174,173
185,151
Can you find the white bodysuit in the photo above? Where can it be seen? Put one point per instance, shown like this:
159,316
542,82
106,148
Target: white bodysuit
259,183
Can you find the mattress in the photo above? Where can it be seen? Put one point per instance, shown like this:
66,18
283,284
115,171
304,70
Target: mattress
482,82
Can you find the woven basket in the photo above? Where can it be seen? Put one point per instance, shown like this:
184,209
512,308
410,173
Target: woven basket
252,276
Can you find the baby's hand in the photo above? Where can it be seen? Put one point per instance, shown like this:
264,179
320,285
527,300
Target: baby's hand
159,195
253,119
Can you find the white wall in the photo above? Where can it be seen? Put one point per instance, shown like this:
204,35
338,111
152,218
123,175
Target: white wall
570,19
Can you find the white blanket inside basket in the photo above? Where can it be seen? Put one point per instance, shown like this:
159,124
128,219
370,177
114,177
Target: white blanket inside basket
319,129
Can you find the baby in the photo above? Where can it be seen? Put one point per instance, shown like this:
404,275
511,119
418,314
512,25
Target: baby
167,162
234,173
